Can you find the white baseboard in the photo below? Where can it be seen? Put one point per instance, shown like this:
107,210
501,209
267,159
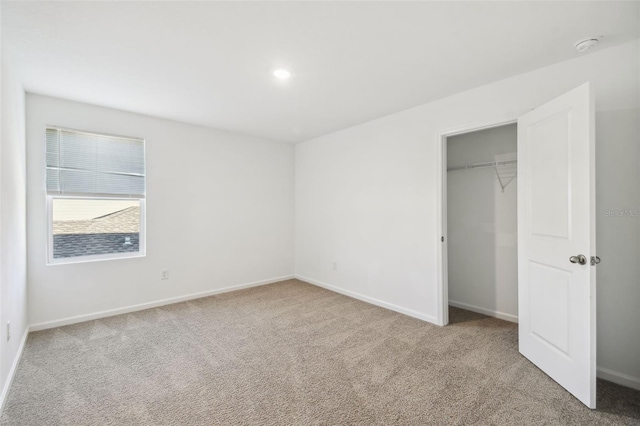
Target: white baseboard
12,371
619,378
489,312
148,305
373,301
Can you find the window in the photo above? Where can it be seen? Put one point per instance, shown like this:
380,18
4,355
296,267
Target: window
95,196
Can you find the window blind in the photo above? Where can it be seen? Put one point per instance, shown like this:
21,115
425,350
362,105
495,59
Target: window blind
80,163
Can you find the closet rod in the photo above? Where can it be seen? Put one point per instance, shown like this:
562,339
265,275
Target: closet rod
482,165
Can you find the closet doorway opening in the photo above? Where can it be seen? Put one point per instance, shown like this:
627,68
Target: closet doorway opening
479,219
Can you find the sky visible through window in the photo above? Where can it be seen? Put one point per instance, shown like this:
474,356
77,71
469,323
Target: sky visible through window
79,209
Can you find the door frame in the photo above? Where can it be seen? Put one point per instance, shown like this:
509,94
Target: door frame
442,314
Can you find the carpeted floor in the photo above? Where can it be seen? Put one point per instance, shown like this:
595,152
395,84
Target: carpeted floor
291,353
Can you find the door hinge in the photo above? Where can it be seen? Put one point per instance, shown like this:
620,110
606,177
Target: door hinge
442,239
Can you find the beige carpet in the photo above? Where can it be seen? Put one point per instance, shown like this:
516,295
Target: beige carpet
291,353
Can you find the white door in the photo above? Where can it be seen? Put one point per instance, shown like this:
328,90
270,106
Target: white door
556,226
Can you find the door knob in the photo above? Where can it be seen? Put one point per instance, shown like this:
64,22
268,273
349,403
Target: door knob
581,259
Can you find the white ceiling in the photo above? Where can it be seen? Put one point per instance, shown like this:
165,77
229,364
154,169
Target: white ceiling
210,63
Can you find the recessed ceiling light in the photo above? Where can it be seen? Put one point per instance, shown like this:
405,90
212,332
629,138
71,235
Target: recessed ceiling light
282,74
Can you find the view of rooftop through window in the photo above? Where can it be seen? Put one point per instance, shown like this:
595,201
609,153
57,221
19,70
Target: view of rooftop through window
84,227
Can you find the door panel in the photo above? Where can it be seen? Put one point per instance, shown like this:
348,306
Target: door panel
556,220
550,204
549,316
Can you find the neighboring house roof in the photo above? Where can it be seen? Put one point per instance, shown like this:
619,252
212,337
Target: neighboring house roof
122,221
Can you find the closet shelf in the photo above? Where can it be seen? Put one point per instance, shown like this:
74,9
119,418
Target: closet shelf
482,165
506,171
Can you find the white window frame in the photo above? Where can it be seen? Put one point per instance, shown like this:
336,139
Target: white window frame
142,244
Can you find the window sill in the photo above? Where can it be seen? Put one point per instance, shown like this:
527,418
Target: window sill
95,258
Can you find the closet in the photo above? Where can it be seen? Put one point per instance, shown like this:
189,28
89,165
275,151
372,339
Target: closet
482,221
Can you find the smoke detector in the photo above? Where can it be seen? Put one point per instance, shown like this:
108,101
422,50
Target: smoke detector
584,45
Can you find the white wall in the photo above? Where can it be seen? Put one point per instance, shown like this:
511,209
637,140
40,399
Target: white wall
13,252
482,224
219,214
366,196
618,240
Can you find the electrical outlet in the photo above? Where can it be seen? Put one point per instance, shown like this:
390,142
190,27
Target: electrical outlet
8,330
164,274
335,265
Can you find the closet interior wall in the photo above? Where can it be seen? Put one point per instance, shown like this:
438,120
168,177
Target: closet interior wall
482,222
